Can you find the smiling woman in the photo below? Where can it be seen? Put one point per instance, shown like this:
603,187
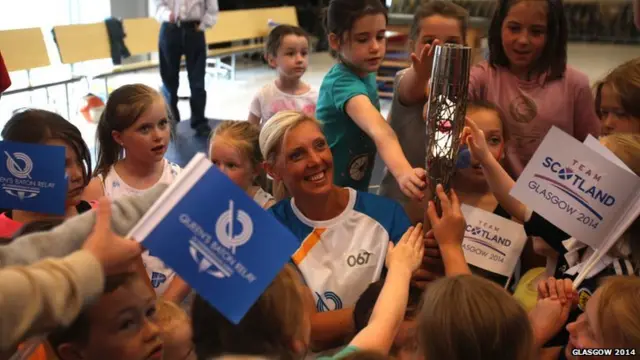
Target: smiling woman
47,128
343,233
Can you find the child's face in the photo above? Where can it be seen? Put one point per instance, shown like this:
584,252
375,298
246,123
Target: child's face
585,331
177,340
489,122
74,171
292,58
147,139
123,325
524,33
614,118
364,46
437,27
232,162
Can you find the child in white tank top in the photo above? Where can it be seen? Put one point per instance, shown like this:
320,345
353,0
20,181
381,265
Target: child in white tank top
234,149
133,135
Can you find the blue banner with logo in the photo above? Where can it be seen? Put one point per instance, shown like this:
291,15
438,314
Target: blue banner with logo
32,177
222,243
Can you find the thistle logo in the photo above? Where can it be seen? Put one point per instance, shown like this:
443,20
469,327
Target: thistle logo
217,258
20,166
321,304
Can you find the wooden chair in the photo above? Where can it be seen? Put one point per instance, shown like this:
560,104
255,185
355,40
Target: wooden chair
25,49
242,25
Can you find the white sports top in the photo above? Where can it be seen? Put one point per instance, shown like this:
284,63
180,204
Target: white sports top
114,187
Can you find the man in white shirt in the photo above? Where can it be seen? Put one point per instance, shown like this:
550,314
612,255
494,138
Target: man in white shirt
182,33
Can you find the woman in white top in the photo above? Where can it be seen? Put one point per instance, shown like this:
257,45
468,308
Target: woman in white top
234,149
133,135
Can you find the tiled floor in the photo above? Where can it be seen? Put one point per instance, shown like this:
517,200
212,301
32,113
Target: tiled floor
230,99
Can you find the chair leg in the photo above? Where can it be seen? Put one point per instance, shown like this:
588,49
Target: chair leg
233,67
66,94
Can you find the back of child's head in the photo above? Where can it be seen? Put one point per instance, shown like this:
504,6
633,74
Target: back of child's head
269,328
278,33
626,147
624,81
445,9
242,135
366,355
35,126
367,300
176,330
125,106
553,59
468,317
341,15
37,226
617,312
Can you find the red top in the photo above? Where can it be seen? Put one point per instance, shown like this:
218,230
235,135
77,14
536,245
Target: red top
8,226
5,81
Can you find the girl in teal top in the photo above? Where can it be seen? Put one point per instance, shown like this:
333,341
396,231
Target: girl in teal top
348,104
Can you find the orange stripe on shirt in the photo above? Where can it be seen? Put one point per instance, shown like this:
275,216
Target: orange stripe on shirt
307,245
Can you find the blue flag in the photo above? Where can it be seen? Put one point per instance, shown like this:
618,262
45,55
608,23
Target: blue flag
222,243
32,177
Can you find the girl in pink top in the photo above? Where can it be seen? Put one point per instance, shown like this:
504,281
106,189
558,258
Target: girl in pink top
527,77
48,128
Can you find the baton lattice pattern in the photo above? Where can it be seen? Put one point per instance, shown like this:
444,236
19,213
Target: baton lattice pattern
446,114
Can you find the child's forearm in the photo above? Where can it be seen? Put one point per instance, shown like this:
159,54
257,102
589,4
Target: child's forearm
389,309
501,184
391,152
40,297
387,315
454,261
412,88
69,237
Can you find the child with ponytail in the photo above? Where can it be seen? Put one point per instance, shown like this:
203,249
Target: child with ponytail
133,136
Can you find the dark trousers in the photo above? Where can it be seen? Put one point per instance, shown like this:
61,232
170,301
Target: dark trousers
176,41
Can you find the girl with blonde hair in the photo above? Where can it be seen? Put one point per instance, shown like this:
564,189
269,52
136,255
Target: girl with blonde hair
235,150
468,317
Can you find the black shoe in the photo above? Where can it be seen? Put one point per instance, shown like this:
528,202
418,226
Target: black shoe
203,130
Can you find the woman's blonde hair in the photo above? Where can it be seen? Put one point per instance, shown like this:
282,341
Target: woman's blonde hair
468,317
618,311
268,329
242,135
275,129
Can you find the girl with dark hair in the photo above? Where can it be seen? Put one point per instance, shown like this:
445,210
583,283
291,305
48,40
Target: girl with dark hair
349,105
133,135
47,128
527,77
